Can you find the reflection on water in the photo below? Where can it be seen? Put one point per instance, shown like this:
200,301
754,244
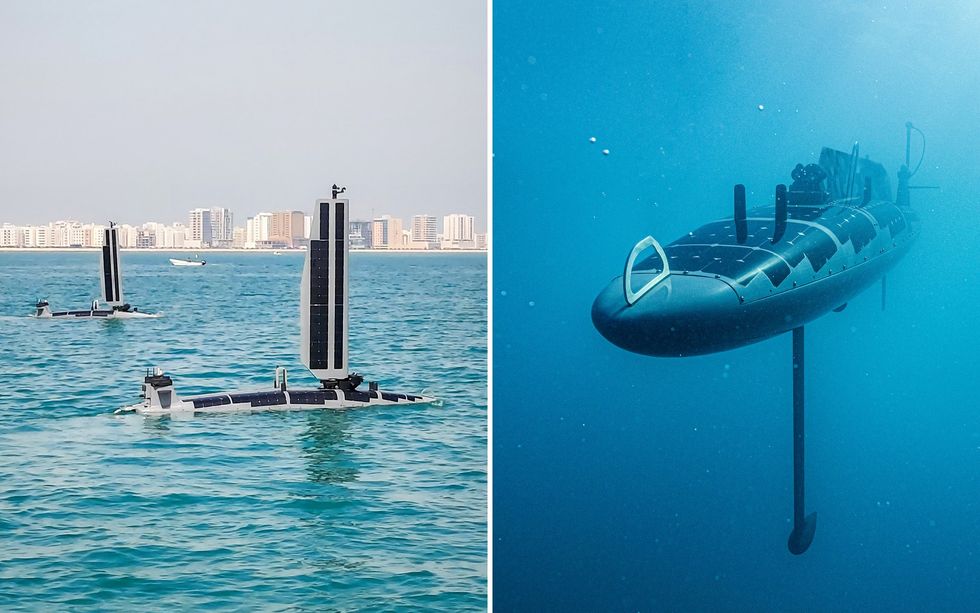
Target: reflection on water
323,447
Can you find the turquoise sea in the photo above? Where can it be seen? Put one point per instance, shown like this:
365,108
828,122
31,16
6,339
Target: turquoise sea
375,509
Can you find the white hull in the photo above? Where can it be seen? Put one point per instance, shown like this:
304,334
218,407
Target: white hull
176,262
274,401
98,314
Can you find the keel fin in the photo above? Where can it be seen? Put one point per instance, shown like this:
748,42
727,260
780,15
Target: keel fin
802,535
804,526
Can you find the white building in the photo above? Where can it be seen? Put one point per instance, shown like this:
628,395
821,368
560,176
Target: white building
222,225
423,229
76,235
94,235
10,235
202,232
386,232
258,230
27,236
457,232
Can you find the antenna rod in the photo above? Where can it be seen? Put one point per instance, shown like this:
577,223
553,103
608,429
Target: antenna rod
908,143
853,169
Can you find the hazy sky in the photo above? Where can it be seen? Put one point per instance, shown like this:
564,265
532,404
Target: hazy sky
139,111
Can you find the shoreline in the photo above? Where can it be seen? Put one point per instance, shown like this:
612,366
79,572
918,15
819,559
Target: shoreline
222,250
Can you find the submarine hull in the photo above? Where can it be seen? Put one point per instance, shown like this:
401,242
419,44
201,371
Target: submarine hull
771,289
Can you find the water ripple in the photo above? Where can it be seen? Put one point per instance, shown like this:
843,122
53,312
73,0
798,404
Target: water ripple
382,509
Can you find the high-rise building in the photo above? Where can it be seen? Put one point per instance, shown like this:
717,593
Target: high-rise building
202,231
386,232
457,227
127,235
222,225
258,230
423,229
360,234
286,227
457,232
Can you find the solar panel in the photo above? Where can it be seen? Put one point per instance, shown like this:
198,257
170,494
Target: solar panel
108,288
210,401
116,274
889,216
312,396
110,272
324,293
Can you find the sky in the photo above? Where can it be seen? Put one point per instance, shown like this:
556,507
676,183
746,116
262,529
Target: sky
139,111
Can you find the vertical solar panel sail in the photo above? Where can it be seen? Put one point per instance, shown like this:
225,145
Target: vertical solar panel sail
323,293
110,274
843,169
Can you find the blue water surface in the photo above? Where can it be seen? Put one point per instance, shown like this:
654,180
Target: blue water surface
629,483
374,509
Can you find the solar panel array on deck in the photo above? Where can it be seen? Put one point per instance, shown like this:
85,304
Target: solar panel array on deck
714,249
312,396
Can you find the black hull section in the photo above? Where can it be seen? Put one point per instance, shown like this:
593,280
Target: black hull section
743,324
721,294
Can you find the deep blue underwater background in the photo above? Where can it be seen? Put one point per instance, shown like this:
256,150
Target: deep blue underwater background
623,482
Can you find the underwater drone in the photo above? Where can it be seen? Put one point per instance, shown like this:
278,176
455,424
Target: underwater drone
323,316
110,277
766,271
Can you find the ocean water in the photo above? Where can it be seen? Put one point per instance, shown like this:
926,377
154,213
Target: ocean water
630,483
379,509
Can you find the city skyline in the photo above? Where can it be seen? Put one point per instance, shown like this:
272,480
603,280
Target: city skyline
216,228
210,108
8,216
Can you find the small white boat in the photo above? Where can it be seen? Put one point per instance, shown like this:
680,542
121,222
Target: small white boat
276,253
180,262
110,277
